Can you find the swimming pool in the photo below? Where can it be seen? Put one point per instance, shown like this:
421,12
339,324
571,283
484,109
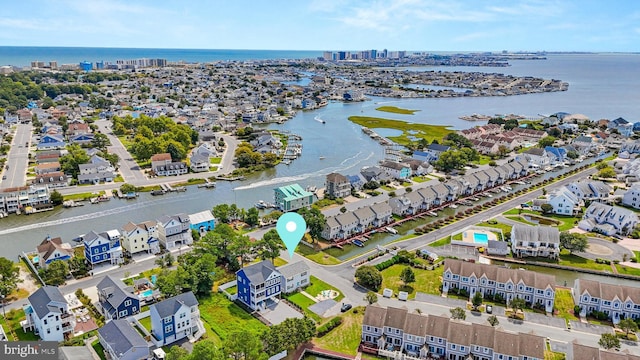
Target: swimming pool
480,238
146,293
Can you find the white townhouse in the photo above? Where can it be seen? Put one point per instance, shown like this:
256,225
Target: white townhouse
564,202
400,205
48,315
608,220
294,276
396,333
590,190
365,218
382,211
617,301
348,224
632,196
538,240
331,228
536,289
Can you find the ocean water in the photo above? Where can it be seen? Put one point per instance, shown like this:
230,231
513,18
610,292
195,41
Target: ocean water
23,56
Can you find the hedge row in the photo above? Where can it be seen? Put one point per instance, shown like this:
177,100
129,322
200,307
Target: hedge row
332,324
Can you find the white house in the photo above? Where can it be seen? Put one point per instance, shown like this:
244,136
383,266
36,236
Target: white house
48,315
564,202
535,157
174,231
294,276
608,220
632,196
590,189
538,240
617,301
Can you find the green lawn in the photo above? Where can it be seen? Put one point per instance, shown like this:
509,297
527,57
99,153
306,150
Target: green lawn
387,187
279,262
484,159
99,349
427,281
13,321
564,303
419,179
442,242
396,110
304,302
146,322
319,257
346,337
215,160
318,285
220,317
82,196
518,219
420,131
232,290
145,274
637,253
504,227
627,270
579,262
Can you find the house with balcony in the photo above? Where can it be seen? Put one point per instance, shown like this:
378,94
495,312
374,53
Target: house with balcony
53,180
617,301
396,170
16,199
564,202
137,238
557,155
48,315
258,284
383,212
116,300
122,342
348,224
292,197
590,190
337,186
608,219
202,221
632,196
365,216
162,165
51,250
331,228
103,247
176,318
527,240
441,194
294,276
174,230
490,280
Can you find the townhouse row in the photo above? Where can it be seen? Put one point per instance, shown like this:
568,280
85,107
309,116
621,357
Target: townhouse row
616,301
344,225
391,331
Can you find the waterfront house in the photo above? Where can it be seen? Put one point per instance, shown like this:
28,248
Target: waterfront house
294,276
400,205
331,228
535,157
103,247
162,165
258,284
337,186
140,237
51,250
176,318
631,146
48,315
396,170
365,216
435,150
441,194
292,197
202,221
583,144
557,155
53,179
623,126
199,163
348,224
632,196
616,301
608,219
16,199
428,196
590,190
454,188
357,181
174,230
419,168
490,280
122,342
115,300
564,202
383,213
542,241
96,170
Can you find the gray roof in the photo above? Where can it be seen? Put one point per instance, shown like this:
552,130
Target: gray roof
545,234
40,300
292,269
169,306
121,337
113,291
74,353
498,245
258,273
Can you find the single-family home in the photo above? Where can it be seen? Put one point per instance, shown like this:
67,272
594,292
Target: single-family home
51,250
294,276
590,190
535,157
202,221
140,237
564,202
557,155
99,248
337,186
48,315
543,241
174,230
122,342
176,318
435,150
396,170
608,219
115,300
51,141
632,196
258,284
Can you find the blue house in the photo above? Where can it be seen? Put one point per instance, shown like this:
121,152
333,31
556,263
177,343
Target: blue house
51,142
202,221
102,247
258,284
175,318
435,150
117,302
422,156
557,155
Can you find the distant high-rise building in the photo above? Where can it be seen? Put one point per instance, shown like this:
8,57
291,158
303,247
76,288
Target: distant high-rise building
327,55
374,54
53,65
37,64
384,53
86,66
99,65
342,55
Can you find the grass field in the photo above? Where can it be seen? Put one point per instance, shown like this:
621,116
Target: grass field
441,242
319,257
427,281
146,322
215,160
396,110
304,302
12,321
421,131
564,303
346,337
220,317
318,285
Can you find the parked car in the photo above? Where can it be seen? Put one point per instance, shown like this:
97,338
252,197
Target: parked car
345,307
489,309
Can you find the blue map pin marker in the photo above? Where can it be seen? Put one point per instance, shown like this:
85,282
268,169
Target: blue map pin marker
291,228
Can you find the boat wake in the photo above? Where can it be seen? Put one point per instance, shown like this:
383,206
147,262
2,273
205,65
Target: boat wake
341,167
319,119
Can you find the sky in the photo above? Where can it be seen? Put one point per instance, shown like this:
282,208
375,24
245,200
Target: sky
412,25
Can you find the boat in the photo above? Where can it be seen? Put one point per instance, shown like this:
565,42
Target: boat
208,185
317,118
391,230
260,205
358,243
453,206
287,162
322,157
431,213
157,192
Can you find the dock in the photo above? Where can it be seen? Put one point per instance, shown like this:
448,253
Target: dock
207,185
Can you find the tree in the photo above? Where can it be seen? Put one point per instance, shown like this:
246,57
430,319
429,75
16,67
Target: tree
546,208
177,353
573,154
221,212
609,341
315,221
476,301
9,276
56,197
343,209
206,349
243,345
253,217
607,172
168,259
458,313
288,335
546,141
573,242
628,325
407,275
517,304
240,248
100,141
371,297
369,277
270,245
493,320
56,273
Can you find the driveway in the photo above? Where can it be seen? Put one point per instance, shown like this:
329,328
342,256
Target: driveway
603,249
278,312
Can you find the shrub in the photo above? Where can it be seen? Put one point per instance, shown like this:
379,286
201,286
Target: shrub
332,324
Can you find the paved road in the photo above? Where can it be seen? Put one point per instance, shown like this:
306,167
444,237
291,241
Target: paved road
129,169
18,158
